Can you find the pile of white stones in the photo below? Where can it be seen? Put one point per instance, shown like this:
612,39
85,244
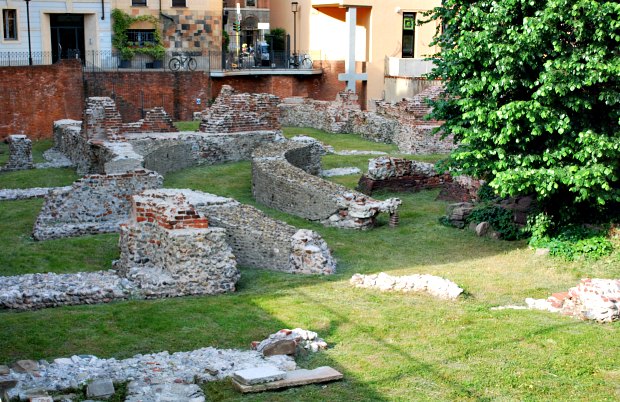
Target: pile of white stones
154,376
434,285
142,371
592,299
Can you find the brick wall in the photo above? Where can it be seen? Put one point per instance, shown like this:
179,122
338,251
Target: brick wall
34,97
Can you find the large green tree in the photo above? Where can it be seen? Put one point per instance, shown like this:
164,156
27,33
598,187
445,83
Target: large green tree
533,97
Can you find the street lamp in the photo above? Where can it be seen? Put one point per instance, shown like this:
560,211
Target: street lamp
294,9
28,19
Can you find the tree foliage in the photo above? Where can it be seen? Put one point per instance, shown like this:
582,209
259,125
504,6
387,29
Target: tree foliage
533,97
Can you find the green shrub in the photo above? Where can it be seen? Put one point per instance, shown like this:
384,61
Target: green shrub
569,242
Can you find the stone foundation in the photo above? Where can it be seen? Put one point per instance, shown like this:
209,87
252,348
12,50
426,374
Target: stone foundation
283,178
234,112
168,249
401,123
93,204
20,153
397,174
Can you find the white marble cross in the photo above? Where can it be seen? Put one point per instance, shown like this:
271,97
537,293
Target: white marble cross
350,76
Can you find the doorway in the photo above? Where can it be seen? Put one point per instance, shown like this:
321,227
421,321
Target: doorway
67,36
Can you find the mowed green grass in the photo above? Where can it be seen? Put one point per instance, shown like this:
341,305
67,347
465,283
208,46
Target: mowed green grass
390,346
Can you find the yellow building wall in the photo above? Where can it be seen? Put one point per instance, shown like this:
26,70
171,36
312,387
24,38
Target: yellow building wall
322,32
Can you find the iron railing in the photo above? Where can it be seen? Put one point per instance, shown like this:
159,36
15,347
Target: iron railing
111,60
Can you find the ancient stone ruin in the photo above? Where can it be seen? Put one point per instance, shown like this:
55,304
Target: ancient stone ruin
283,177
400,123
93,204
20,153
592,299
234,112
102,144
398,174
168,249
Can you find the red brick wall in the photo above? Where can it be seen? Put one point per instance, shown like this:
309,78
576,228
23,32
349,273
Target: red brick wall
32,98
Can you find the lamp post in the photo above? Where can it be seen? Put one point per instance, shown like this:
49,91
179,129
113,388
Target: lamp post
294,9
28,19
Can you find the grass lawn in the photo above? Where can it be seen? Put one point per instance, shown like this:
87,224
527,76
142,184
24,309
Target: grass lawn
389,346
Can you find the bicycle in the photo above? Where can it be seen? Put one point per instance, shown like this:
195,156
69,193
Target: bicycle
301,60
186,62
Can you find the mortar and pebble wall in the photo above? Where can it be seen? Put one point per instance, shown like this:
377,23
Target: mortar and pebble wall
283,178
93,204
20,153
401,123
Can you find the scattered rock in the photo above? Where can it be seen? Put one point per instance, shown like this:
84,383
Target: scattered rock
100,388
482,228
302,338
25,366
281,347
4,370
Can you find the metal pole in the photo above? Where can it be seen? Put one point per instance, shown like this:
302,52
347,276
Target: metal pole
29,44
295,35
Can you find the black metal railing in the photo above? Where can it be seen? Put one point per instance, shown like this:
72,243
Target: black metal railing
111,60
9,59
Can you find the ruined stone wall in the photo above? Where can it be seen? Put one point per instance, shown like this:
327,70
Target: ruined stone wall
235,112
400,123
277,183
168,249
93,204
20,153
398,174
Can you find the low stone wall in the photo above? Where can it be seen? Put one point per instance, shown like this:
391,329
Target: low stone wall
234,112
168,249
282,179
20,153
398,174
401,123
93,204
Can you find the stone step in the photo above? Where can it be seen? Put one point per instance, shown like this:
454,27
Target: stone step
293,379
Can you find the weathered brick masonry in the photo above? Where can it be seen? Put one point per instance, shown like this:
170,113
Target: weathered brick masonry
32,98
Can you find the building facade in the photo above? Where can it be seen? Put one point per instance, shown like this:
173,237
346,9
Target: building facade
58,29
373,37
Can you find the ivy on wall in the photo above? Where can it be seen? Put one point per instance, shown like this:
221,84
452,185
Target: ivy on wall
120,40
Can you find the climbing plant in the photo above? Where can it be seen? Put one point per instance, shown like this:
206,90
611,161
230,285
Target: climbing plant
120,39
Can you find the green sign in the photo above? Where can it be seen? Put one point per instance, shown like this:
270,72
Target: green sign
408,23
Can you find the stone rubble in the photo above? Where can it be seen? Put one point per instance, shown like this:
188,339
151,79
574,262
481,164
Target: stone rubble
55,159
434,285
172,374
302,338
592,299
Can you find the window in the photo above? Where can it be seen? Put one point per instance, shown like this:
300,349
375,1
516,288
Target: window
408,35
9,24
141,37
138,3
178,3
250,3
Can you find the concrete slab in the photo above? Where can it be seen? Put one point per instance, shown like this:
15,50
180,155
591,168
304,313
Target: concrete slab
292,379
101,388
258,375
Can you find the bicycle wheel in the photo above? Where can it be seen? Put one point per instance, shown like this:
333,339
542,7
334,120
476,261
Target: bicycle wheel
192,64
174,64
307,63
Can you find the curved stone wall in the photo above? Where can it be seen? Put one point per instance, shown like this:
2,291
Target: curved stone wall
282,179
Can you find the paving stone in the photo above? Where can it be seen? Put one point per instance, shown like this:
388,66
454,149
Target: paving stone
258,375
292,379
282,347
101,388
25,366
